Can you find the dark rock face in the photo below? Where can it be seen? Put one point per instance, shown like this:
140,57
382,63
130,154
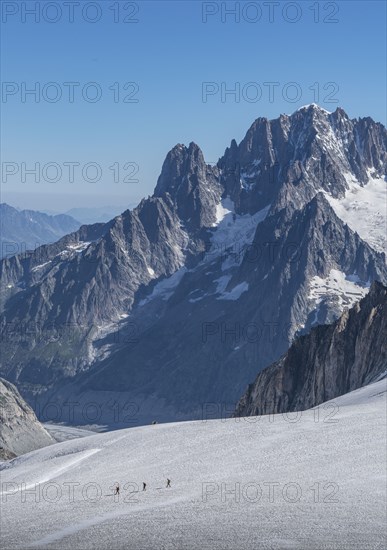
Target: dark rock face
290,158
6,454
330,361
27,229
158,303
192,185
20,430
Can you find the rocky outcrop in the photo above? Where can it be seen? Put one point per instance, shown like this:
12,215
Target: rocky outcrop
193,186
20,430
330,361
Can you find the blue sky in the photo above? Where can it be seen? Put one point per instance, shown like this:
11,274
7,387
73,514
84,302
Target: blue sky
172,49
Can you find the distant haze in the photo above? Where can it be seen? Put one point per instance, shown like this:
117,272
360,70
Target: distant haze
60,203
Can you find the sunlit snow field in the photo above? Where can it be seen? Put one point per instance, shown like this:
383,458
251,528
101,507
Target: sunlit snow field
364,209
310,480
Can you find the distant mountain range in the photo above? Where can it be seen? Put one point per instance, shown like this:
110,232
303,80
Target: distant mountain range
97,214
184,299
100,214
22,230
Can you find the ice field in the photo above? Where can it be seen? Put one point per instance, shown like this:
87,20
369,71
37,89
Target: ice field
310,480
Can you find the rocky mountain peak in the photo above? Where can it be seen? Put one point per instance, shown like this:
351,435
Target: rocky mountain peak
287,160
192,185
272,235
180,163
312,108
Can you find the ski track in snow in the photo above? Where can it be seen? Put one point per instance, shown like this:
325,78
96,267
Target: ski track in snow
56,472
72,529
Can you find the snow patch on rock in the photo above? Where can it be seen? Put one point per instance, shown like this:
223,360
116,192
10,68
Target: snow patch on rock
223,209
235,293
346,289
164,289
364,210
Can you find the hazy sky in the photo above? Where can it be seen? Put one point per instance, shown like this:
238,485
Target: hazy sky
125,81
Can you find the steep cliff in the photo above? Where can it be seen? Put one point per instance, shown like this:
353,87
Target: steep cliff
20,430
330,361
